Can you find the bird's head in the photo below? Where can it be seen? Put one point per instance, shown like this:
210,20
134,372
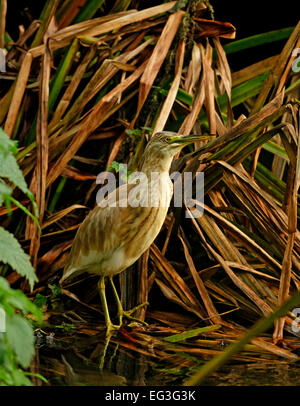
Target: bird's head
164,145
169,143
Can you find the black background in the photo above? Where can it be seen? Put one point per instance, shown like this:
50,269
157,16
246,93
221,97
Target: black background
249,18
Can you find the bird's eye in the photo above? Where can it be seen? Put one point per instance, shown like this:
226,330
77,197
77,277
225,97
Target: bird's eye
167,139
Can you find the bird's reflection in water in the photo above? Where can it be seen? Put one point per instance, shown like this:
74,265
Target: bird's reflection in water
108,364
131,367
96,361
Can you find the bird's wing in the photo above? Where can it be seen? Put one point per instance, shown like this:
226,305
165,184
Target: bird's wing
102,232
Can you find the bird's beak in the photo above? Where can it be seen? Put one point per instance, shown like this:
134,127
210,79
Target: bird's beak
187,139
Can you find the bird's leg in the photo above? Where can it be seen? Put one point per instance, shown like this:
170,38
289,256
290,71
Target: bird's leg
103,354
126,313
118,301
109,325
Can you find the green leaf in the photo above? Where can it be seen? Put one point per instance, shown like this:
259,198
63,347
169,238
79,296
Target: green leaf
39,376
8,38
9,169
19,378
56,290
275,149
6,144
5,191
21,301
5,378
20,338
258,39
62,71
44,20
16,298
115,166
4,285
40,300
120,5
8,165
88,10
190,333
239,94
9,199
133,133
11,253
66,327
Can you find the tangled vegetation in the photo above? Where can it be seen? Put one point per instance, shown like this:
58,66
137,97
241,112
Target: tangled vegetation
85,87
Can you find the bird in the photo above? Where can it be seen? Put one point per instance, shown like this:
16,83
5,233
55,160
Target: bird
118,230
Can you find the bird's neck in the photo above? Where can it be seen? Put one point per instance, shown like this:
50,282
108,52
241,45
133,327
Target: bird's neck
156,165
155,186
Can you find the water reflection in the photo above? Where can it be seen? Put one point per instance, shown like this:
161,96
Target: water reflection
75,359
91,361
279,373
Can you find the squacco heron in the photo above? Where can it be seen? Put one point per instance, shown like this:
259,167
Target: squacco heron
113,236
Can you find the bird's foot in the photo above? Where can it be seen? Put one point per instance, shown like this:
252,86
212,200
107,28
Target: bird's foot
111,328
128,313
135,321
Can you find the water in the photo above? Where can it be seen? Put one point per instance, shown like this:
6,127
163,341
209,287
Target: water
74,359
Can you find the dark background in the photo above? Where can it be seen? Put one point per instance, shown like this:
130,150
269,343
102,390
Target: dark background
249,18
256,17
